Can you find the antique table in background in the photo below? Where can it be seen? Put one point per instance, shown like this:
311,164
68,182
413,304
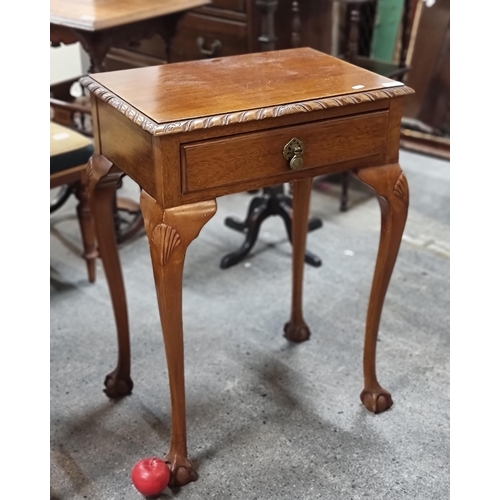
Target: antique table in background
101,24
190,132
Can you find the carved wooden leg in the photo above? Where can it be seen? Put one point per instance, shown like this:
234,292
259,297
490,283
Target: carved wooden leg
170,231
87,229
102,184
296,329
391,187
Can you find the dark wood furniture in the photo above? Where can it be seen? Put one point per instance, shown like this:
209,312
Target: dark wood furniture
101,24
232,27
69,155
252,121
426,123
273,201
391,69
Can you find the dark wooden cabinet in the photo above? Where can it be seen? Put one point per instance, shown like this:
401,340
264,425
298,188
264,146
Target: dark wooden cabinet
201,34
430,75
231,27
426,121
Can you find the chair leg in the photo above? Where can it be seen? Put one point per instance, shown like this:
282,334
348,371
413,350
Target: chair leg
86,221
62,197
344,196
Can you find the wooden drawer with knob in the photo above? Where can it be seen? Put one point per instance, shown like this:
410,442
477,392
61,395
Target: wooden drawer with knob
200,36
218,163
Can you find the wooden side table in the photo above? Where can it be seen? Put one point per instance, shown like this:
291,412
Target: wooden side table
190,132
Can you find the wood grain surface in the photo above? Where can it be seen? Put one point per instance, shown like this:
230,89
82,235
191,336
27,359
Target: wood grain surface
237,88
93,15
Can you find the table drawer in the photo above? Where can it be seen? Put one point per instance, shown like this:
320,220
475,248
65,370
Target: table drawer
200,36
257,155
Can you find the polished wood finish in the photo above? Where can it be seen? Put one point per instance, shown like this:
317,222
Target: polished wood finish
186,152
160,101
207,164
94,15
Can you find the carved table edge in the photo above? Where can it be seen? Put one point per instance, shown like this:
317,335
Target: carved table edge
175,127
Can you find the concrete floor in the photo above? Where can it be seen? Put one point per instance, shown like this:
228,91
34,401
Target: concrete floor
266,419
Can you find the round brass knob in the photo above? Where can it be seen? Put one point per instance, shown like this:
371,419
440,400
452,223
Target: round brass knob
296,162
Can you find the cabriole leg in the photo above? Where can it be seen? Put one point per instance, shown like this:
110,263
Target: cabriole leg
102,183
391,188
170,231
296,329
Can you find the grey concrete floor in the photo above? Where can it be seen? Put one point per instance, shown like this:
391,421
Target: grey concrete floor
266,419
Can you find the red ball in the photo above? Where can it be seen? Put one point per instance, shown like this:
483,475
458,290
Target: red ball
150,476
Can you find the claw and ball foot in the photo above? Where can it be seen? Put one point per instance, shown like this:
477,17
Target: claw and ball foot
392,191
117,385
296,332
376,399
182,470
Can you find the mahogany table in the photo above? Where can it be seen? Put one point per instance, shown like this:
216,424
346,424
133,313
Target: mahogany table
190,132
100,24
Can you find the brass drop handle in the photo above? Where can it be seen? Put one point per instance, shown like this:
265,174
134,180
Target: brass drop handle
293,151
214,48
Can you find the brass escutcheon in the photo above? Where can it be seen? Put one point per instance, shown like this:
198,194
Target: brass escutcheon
292,152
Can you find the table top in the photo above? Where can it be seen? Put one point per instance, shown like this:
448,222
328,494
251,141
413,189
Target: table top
93,15
178,97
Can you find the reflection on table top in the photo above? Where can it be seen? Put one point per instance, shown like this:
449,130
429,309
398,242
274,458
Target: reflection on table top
159,92
93,15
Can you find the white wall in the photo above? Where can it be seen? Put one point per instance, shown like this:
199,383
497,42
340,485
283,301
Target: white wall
67,61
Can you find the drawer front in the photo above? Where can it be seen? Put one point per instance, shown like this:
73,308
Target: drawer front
199,36
153,46
238,5
229,161
118,59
